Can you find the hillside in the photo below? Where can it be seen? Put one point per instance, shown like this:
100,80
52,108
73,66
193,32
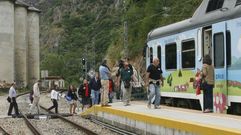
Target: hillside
93,29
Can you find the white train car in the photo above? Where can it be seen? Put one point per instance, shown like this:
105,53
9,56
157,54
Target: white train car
214,29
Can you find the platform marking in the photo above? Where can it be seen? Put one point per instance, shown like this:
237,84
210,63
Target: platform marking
199,128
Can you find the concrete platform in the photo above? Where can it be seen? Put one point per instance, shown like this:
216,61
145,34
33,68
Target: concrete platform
167,120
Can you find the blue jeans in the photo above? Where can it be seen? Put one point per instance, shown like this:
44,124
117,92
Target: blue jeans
95,96
155,92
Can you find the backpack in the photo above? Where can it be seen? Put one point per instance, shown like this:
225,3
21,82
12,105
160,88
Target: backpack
9,99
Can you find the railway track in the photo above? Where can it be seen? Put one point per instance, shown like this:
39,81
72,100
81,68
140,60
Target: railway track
31,126
3,131
49,123
86,130
112,128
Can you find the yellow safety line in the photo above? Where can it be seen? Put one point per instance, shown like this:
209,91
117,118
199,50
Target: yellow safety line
194,127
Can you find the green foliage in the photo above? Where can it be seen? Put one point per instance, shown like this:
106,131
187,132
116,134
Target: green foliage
53,63
98,27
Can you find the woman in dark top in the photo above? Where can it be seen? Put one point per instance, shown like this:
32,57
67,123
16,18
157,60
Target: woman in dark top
84,92
95,86
73,99
208,77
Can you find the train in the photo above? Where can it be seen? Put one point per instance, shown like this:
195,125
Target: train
214,29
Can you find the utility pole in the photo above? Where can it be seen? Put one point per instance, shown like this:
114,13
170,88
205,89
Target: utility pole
84,63
93,49
125,32
125,39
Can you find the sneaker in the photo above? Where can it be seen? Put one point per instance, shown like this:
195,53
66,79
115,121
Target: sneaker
107,105
127,104
157,107
207,111
149,106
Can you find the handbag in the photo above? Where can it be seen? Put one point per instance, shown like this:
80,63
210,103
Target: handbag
68,98
203,84
127,84
9,99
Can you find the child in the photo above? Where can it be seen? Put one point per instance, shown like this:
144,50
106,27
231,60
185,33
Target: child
111,89
198,82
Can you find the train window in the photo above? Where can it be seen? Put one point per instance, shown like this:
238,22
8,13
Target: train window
151,55
188,54
238,2
171,56
159,54
219,50
214,5
228,48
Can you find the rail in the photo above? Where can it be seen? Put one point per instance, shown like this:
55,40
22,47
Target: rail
4,131
112,128
87,131
33,128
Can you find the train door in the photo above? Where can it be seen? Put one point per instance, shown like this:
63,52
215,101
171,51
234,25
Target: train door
207,41
149,55
207,49
220,64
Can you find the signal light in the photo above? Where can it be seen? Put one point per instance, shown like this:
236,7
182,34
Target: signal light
83,61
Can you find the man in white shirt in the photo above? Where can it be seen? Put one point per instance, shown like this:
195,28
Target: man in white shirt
36,96
13,104
54,98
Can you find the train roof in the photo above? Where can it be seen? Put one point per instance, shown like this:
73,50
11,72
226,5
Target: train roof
229,9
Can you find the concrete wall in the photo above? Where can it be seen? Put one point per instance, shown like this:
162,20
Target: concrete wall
139,127
21,44
6,41
33,47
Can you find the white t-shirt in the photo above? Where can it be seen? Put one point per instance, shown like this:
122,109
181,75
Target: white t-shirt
54,94
12,92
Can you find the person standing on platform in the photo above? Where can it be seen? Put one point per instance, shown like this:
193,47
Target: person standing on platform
104,77
95,86
154,79
36,96
129,65
13,104
111,90
119,92
126,75
207,74
54,98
